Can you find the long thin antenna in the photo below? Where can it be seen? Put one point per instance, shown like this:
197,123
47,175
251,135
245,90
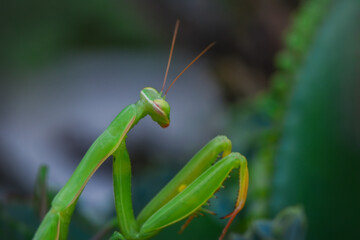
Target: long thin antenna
171,52
197,57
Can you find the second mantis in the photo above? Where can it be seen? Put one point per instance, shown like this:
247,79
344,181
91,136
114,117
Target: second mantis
182,197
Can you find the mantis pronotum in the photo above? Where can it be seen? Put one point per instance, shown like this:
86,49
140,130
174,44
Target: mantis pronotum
182,197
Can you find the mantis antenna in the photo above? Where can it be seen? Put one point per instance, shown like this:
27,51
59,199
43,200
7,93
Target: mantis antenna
171,52
191,63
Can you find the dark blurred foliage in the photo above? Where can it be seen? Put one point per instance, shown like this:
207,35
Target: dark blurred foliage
317,159
260,120
289,224
291,95
34,32
297,134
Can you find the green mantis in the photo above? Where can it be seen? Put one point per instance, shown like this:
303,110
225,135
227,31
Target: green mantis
182,197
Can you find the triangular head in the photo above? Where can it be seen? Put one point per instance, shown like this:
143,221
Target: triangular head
156,106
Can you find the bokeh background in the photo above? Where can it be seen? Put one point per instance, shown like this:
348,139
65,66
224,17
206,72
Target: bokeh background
281,82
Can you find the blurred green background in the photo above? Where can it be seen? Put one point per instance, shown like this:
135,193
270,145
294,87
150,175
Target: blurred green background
281,82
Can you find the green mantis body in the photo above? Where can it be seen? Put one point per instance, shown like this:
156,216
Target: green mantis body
183,196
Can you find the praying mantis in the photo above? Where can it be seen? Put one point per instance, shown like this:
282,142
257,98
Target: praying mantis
182,197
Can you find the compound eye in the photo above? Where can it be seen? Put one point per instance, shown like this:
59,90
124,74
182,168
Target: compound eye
163,105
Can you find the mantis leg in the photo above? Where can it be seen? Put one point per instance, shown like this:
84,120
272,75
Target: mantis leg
192,170
49,228
56,222
195,195
197,166
122,191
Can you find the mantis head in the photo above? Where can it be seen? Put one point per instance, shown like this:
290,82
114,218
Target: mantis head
158,108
